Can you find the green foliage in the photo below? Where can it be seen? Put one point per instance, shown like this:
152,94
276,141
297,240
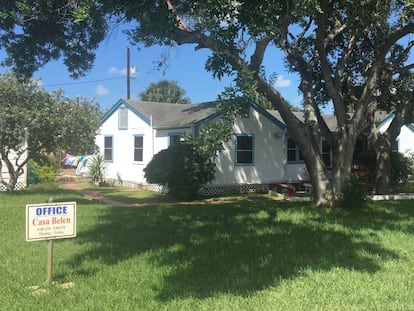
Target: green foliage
402,168
353,194
42,173
34,32
75,125
186,167
165,91
97,169
50,121
183,168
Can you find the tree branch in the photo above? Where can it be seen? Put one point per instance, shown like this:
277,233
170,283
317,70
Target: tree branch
331,88
257,57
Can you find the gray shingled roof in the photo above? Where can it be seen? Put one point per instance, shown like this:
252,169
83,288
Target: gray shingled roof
166,115
330,119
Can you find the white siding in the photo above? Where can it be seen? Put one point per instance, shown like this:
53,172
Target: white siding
268,158
123,147
405,139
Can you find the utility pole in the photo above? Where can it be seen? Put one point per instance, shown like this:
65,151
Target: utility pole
128,75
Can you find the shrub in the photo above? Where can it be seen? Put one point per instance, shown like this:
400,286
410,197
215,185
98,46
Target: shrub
183,169
97,170
41,173
401,168
353,194
186,167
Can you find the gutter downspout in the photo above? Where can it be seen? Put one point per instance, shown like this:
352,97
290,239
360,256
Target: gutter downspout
152,136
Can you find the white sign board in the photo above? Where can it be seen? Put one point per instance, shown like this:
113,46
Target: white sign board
50,221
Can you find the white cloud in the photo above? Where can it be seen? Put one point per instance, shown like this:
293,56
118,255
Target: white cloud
114,71
101,90
117,71
281,81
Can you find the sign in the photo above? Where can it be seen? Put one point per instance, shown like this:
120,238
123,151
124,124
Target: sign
50,221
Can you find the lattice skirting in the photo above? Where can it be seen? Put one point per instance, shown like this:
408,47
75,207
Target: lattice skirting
156,188
19,186
212,191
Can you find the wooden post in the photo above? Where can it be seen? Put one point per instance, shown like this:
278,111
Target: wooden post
49,262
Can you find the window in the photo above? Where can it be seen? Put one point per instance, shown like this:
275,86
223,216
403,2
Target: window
108,148
175,139
138,148
326,153
244,149
293,152
123,118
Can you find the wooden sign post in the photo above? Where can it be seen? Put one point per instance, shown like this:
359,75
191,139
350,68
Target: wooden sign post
50,221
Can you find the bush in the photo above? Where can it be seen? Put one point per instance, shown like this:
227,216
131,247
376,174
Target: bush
401,168
41,173
353,194
97,170
183,169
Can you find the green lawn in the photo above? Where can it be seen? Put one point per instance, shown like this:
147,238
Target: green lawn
252,254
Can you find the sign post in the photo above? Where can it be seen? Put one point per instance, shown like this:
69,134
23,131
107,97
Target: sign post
50,221
49,262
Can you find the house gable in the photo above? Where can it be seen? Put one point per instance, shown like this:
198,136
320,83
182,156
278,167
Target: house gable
122,103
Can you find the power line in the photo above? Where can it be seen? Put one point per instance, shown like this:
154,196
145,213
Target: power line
83,82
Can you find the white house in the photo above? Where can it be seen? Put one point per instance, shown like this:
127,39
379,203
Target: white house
405,141
258,155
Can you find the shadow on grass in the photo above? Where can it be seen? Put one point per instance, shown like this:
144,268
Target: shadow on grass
380,215
236,248
130,195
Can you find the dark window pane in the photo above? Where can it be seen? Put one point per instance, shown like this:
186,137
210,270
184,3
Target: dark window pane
244,157
244,152
244,142
138,155
291,155
139,140
138,148
108,148
175,140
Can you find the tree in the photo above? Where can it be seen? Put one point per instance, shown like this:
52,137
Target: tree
337,48
34,32
397,96
185,168
50,121
165,91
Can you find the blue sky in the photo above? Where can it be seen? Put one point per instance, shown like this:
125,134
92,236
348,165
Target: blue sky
106,82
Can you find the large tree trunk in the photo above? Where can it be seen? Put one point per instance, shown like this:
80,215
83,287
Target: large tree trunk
321,186
383,168
342,157
13,172
382,143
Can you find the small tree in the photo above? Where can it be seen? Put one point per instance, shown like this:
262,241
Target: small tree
186,167
165,91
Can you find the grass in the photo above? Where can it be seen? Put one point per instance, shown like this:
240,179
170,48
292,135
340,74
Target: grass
248,254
